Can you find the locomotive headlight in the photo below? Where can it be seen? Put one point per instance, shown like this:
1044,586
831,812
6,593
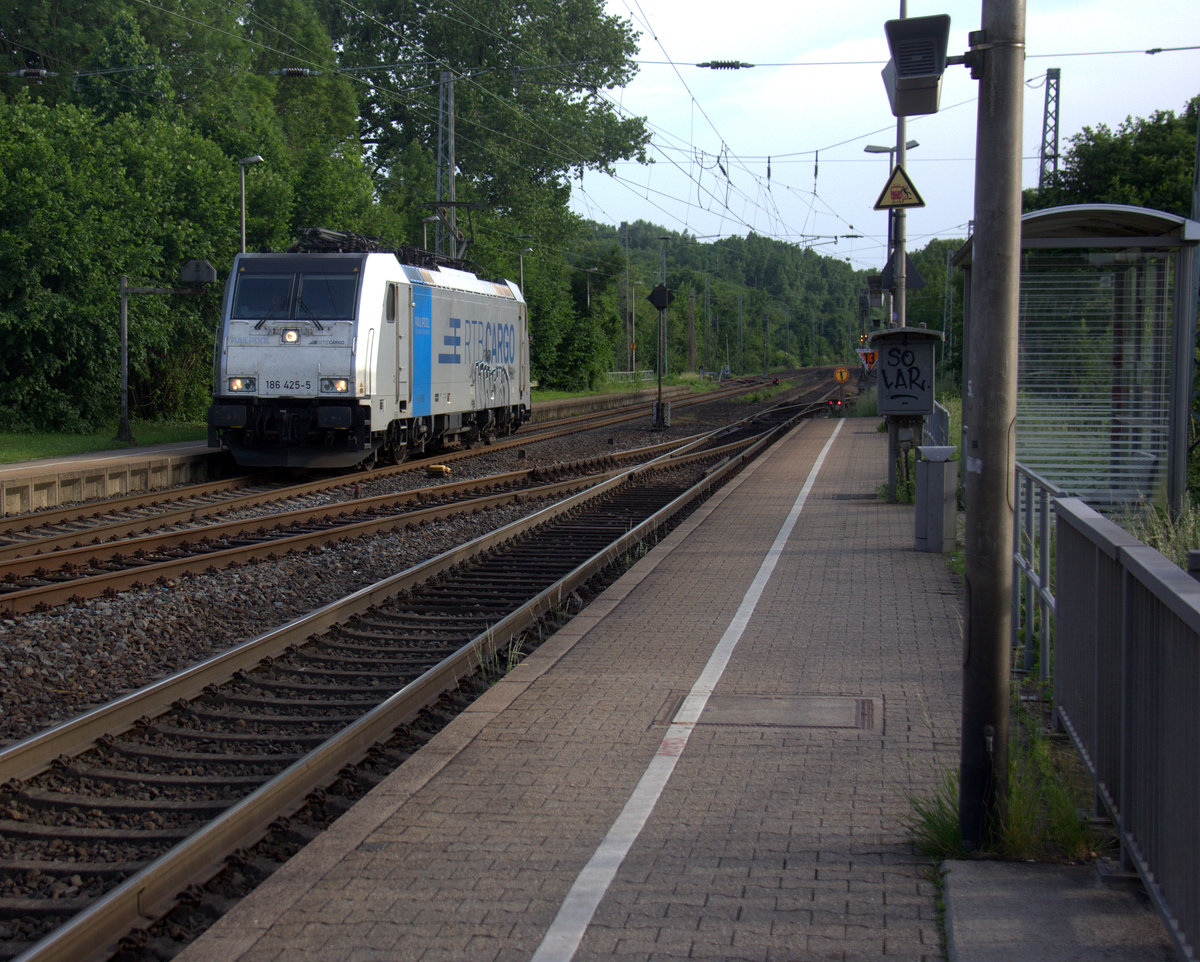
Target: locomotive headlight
334,385
291,336
242,384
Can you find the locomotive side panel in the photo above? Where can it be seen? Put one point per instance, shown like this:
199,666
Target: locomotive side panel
470,370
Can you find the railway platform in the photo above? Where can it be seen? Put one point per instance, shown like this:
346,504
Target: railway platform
27,486
712,761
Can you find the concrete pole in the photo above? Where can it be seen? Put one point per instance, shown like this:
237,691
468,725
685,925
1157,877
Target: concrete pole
242,168
453,214
124,433
900,221
628,301
990,410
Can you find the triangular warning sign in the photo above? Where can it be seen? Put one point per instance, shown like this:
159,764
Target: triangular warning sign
868,356
898,192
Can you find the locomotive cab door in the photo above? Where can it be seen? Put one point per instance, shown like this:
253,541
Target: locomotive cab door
398,312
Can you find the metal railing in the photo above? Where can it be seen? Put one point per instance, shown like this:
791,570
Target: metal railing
1033,571
631,376
1127,691
936,428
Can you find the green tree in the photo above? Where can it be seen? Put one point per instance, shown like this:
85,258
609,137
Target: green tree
52,35
122,75
1145,162
83,201
929,306
527,75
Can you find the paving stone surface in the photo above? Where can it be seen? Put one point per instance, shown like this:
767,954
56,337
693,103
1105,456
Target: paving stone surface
780,834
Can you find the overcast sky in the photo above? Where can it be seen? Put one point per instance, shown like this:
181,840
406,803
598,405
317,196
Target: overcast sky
778,149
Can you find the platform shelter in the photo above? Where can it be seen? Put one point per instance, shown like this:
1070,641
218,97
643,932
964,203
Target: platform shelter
1107,334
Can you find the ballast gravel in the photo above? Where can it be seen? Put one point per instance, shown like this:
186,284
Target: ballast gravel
56,665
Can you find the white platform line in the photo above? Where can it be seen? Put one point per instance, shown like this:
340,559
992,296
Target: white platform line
566,931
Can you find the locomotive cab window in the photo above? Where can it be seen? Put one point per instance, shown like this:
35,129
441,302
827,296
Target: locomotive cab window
263,296
325,297
391,303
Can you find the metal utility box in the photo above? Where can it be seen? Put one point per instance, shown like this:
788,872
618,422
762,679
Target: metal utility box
906,362
936,519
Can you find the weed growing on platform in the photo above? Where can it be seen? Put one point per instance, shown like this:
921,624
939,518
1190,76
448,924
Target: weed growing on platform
1170,536
933,827
493,662
1043,819
867,404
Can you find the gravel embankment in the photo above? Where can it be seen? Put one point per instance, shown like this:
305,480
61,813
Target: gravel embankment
54,666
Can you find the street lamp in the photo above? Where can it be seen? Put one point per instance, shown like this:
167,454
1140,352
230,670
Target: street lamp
256,159
589,272
524,251
425,222
890,151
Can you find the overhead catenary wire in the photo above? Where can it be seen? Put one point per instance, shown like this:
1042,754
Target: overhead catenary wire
758,206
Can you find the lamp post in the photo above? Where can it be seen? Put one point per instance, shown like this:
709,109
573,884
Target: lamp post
425,222
664,362
256,159
589,272
194,275
633,331
891,235
524,251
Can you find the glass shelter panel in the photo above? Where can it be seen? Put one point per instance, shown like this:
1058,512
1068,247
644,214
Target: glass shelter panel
1095,366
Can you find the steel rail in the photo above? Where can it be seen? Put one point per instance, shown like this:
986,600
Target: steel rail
33,755
191,512
93,585
135,903
14,524
18,524
66,546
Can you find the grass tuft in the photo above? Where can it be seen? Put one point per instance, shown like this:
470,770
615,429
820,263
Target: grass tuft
1043,819
933,827
1170,536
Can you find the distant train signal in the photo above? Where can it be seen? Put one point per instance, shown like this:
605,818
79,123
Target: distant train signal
661,297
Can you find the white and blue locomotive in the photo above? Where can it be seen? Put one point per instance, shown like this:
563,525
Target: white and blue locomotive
336,360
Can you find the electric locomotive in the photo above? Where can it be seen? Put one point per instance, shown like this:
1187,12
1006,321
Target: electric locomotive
349,358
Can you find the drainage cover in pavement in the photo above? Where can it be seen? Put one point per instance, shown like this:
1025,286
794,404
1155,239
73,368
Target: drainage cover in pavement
794,711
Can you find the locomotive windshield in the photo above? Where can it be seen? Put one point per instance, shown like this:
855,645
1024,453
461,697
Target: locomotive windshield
303,296
326,297
263,296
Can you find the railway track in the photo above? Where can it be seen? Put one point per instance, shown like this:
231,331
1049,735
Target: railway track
76,572
105,820
142,541
42,531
